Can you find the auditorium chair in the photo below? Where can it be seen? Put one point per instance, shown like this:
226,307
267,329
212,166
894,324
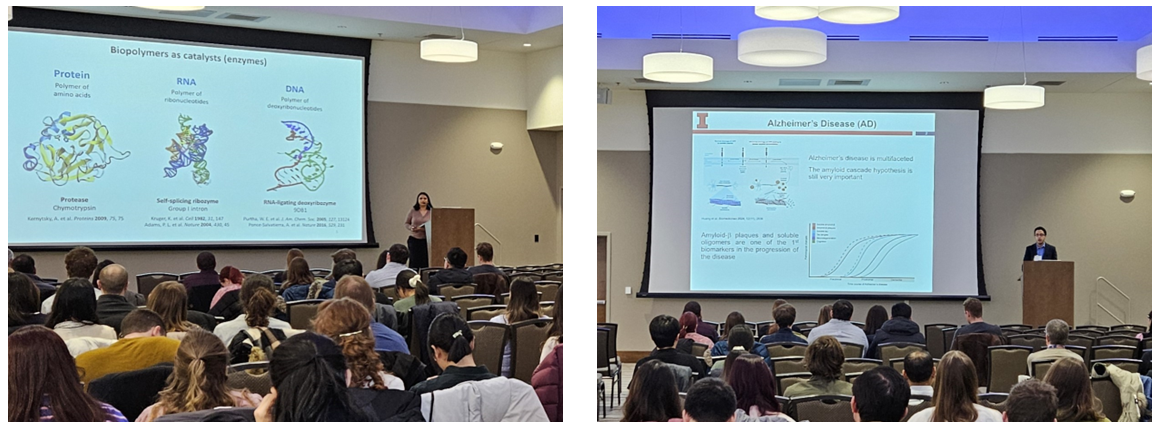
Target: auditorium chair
1128,364
469,301
607,363
683,375
1032,340
716,326
1007,363
548,309
924,402
975,346
527,337
850,377
852,350
1081,340
826,408
786,349
787,380
857,365
1100,352
613,352
452,291
1080,351
753,329
1131,327
425,274
505,297
301,312
948,335
858,324
146,282
1039,368
1086,332
200,296
1020,327
763,328
804,325
133,391
787,365
320,272
891,350
390,291
699,349
934,338
1118,340
1128,333
1105,390
253,376
533,276
490,339
548,289
557,276
996,401
273,272
485,313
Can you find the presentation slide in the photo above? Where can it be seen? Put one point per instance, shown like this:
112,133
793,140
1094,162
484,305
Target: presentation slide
814,202
117,141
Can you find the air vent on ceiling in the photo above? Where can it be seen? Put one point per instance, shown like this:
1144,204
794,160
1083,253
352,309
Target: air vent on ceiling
692,36
949,38
1079,38
240,17
437,36
648,81
1049,83
843,37
848,83
799,82
204,13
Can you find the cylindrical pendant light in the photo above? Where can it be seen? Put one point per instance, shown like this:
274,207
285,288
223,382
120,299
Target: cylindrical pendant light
1010,97
786,13
781,47
449,50
678,67
1144,63
857,14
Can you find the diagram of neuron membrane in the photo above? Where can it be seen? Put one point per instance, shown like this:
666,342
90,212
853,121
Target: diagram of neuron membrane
771,177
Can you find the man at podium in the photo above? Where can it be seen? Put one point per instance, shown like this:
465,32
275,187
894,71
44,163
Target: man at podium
1040,250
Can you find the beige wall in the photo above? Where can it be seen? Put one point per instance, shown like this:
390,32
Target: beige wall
438,149
1076,199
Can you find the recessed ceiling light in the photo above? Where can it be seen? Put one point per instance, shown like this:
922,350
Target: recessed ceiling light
527,45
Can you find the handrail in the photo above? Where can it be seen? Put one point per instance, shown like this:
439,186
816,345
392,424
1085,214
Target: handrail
485,230
1128,312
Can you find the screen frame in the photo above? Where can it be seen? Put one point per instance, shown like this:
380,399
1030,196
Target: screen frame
811,100
50,21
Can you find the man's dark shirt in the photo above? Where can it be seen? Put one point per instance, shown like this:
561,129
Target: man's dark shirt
202,278
783,334
897,329
450,276
670,355
112,308
46,289
451,377
707,330
979,327
484,268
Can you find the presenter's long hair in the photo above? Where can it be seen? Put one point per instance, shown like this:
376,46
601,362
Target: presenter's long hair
423,193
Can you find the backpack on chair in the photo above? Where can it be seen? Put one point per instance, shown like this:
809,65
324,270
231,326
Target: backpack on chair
245,348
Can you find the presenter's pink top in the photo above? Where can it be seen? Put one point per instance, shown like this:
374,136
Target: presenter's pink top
416,218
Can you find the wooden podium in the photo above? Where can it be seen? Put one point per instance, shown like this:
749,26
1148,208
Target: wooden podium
449,228
1048,292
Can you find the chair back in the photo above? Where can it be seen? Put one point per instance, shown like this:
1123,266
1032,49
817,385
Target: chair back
1016,326
530,275
490,339
996,401
850,377
699,349
1099,328
238,378
1105,390
1131,327
391,291
1101,352
1032,340
490,283
485,313
527,339
301,312
913,409
146,282
787,365
1117,340
426,272
684,376
548,289
557,276
786,349
1039,368
763,327
1080,351
451,291
852,350
1080,340
548,309
804,325
716,326
975,346
858,365
470,301
948,335
753,329
1128,364
1087,332
830,408
319,272
1007,363
1129,333
272,272
506,297
892,350
612,349
133,391
787,380
934,338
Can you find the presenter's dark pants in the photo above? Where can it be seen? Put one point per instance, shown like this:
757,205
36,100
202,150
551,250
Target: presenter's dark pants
418,250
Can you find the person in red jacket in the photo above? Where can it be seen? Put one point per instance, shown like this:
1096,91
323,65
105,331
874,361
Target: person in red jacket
548,380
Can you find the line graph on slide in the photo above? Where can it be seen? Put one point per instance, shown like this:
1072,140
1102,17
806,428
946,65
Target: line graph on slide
860,259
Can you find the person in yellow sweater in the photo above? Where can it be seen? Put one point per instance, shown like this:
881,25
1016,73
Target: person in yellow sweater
143,344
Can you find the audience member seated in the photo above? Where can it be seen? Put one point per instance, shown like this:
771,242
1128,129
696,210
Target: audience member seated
342,254
169,301
1075,399
956,394
824,359
722,347
299,276
143,344
756,390
703,328
490,283
23,302
391,261
308,373
231,279
412,291
1057,331
1030,401
548,381
454,270
824,314
840,327
258,301
452,342
664,330
898,329
112,306
43,383
710,400
74,312
24,263
199,378
740,340
280,278
207,273
80,262
880,395
689,330
386,339
973,310
556,333
485,256
523,305
784,317
875,317
774,327
134,298
348,324
320,289
918,368
652,394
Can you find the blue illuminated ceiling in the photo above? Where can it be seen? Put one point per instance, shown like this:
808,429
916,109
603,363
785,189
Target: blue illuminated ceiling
993,23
